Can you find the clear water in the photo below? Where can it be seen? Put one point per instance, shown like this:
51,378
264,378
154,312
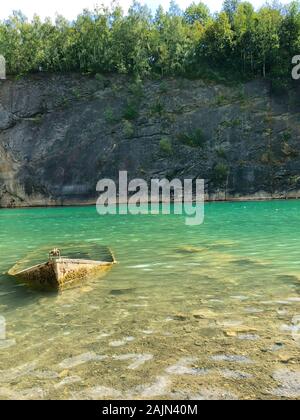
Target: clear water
189,312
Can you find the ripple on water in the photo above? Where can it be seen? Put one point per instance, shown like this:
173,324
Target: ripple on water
231,324
17,372
34,393
214,302
6,344
97,393
120,343
45,374
72,362
253,310
137,359
103,335
68,381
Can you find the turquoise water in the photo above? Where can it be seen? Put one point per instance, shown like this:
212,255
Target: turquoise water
210,311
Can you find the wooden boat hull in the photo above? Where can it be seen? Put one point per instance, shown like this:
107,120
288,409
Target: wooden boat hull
60,273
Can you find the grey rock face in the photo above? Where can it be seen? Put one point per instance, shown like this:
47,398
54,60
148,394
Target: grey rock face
60,134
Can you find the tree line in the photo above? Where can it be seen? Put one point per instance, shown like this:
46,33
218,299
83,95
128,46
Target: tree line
239,41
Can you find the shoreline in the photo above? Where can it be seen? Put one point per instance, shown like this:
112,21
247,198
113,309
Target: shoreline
208,200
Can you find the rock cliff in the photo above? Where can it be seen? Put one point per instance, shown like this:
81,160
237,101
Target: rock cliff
60,134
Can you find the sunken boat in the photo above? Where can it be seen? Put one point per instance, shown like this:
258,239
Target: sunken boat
63,267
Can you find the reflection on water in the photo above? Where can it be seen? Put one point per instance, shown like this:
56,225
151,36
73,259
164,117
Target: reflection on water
199,312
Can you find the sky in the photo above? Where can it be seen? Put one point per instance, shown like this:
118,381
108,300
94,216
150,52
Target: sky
71,8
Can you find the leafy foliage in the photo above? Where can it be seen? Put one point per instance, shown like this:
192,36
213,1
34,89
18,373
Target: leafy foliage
157,108
165,146
193,139
238,41
220,173
131,111
128,128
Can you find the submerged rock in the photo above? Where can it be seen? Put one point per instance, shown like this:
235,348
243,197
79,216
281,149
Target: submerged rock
242,332
207,394
290,383
231,358
119,292
190,250
204,314
157,389
248,337
180,317
183,367
234,374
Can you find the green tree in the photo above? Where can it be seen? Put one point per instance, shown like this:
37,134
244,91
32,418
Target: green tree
91,36
131,41
239,39
218,39
266,37
289,34
197,13
230,7
172,43
244,28
174,9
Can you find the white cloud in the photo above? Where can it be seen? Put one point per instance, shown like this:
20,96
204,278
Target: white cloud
70,9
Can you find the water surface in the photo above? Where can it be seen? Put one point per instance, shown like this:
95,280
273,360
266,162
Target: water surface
204,312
